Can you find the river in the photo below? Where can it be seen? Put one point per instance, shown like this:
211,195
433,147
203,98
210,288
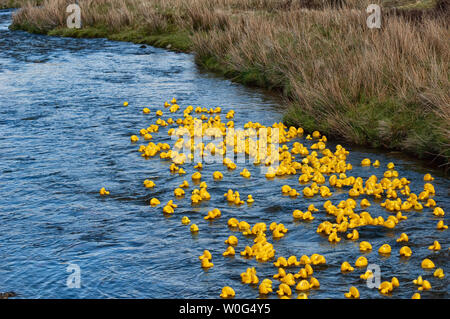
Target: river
64,134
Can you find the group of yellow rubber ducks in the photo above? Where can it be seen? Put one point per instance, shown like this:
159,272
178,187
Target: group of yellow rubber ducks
316,165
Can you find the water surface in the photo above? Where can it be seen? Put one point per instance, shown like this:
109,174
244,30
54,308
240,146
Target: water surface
64,135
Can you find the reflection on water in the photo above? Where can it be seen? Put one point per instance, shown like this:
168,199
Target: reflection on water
64,135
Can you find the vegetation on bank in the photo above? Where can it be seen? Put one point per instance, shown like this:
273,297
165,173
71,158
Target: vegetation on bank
382,88
8,4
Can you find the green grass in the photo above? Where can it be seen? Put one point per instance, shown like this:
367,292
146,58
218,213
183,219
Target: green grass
177,40
12,4
390,124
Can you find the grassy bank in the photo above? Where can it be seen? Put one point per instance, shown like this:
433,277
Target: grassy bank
9,4
382,88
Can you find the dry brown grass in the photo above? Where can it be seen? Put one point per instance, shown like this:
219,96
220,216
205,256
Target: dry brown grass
386,87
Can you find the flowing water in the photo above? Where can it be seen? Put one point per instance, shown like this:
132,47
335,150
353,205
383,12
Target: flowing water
64,134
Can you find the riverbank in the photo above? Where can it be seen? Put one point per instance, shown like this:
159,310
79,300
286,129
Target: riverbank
13,4
381,88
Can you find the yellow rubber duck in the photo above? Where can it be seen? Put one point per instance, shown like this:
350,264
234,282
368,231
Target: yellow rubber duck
281,262
146,110
288,279
244,226
418,281
353,293
294,193
425,285
298,214
365,162
149,183
333,237
185,220
346,267
303,285
439,273
395,283
245,173
249,276
194,228
308,192
302,273
134,138
250,199
168,209
103,192
353,192
361,262
438,211
416,296
154,202
280,274
427,264
317,259
364,203
232,240
309,270
217,175
384,249
196,176
405,251
125,103
292,261
403,238
265,287
233,222
199,166
304,260
285,189
430,203
212,214
314,283
185,184
247,252
229,252
354,235
206,263
385,287
227,292
365,246
436,246
368,274
206,255
284,290
178,192
307,216
441,226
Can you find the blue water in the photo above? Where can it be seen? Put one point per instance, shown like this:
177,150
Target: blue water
64,134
